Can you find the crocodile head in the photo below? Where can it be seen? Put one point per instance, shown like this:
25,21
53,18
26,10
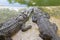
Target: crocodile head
39,14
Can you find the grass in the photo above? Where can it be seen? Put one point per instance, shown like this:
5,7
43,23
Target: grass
53,11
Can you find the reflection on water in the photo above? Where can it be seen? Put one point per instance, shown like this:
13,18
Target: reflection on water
6,3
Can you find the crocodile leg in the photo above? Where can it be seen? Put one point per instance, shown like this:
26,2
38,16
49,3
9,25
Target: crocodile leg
25,28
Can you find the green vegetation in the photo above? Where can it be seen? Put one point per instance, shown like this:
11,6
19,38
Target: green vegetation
5,14
37,2
54,11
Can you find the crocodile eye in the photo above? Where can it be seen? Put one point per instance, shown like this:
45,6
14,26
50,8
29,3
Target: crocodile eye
2,37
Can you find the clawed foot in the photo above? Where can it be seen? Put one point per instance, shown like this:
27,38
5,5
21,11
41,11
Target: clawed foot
26,28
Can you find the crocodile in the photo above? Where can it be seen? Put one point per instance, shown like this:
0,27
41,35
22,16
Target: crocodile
13,25
47,29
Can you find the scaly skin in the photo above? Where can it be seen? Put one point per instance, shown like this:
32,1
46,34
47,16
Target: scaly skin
13,25
46,28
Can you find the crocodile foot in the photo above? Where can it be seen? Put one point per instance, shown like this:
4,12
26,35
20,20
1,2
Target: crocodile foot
26,28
